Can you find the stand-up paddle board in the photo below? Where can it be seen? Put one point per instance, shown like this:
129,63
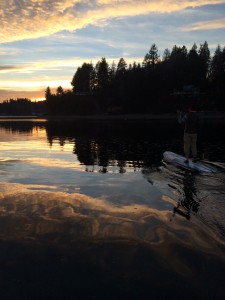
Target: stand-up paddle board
179,160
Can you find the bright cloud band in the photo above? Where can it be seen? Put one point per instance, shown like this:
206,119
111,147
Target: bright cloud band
206,25
50,16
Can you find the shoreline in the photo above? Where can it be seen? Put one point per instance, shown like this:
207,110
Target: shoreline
126,117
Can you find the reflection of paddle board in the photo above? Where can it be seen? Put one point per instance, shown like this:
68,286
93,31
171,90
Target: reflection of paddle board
179,160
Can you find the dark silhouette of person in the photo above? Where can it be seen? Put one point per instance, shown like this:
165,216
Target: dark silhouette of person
190,119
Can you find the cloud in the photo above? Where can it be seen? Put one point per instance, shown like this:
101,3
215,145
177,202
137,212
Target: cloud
205,25
32,85
5,69
14,94
40,211
54,65
21,20
32,67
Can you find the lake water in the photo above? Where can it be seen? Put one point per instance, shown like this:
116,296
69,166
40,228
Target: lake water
88,210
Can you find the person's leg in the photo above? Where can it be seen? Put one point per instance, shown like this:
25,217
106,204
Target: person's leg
187,143
194,145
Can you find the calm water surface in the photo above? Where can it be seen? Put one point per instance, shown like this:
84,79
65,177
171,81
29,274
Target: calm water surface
88,210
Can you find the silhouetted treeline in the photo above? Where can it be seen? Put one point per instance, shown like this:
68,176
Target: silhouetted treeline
22,107
155,85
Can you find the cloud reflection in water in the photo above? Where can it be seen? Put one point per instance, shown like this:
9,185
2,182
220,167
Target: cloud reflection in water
27,212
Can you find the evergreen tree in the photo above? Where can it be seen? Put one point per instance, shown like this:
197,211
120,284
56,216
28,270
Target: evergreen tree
82,80
193,67
121,67
102,74
166,55
218,77
178,67
204,56
48,93
151,59
217,66
59,91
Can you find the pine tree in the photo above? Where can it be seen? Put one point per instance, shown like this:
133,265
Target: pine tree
151,59
204,56
48,93
81,81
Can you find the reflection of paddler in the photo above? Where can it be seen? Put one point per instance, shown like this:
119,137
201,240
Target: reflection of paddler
181,212
187,203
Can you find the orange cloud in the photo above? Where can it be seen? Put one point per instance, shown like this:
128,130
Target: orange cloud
96,218
37,18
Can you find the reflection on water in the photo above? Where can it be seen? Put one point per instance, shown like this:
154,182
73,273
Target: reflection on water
125,245
199,198
188,199
88,211
100,145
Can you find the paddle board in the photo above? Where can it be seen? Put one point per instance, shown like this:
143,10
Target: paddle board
179,160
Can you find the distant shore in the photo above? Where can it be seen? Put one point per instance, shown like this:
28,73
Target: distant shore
205,115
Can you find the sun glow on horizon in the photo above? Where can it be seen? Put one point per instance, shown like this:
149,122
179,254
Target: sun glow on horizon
37,99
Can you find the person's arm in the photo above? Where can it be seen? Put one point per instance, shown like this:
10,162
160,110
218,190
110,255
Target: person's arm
182,117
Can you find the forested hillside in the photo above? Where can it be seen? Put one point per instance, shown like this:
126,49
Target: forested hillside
156,85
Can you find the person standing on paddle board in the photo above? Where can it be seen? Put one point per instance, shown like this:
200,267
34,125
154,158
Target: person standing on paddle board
191,121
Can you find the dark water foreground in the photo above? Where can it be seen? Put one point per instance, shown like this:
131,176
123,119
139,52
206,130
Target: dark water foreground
70,246
109,220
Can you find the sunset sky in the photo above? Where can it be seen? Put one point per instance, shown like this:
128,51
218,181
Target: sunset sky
42,42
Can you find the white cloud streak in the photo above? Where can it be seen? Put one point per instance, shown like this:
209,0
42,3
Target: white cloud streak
53,65
26,19
205,25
